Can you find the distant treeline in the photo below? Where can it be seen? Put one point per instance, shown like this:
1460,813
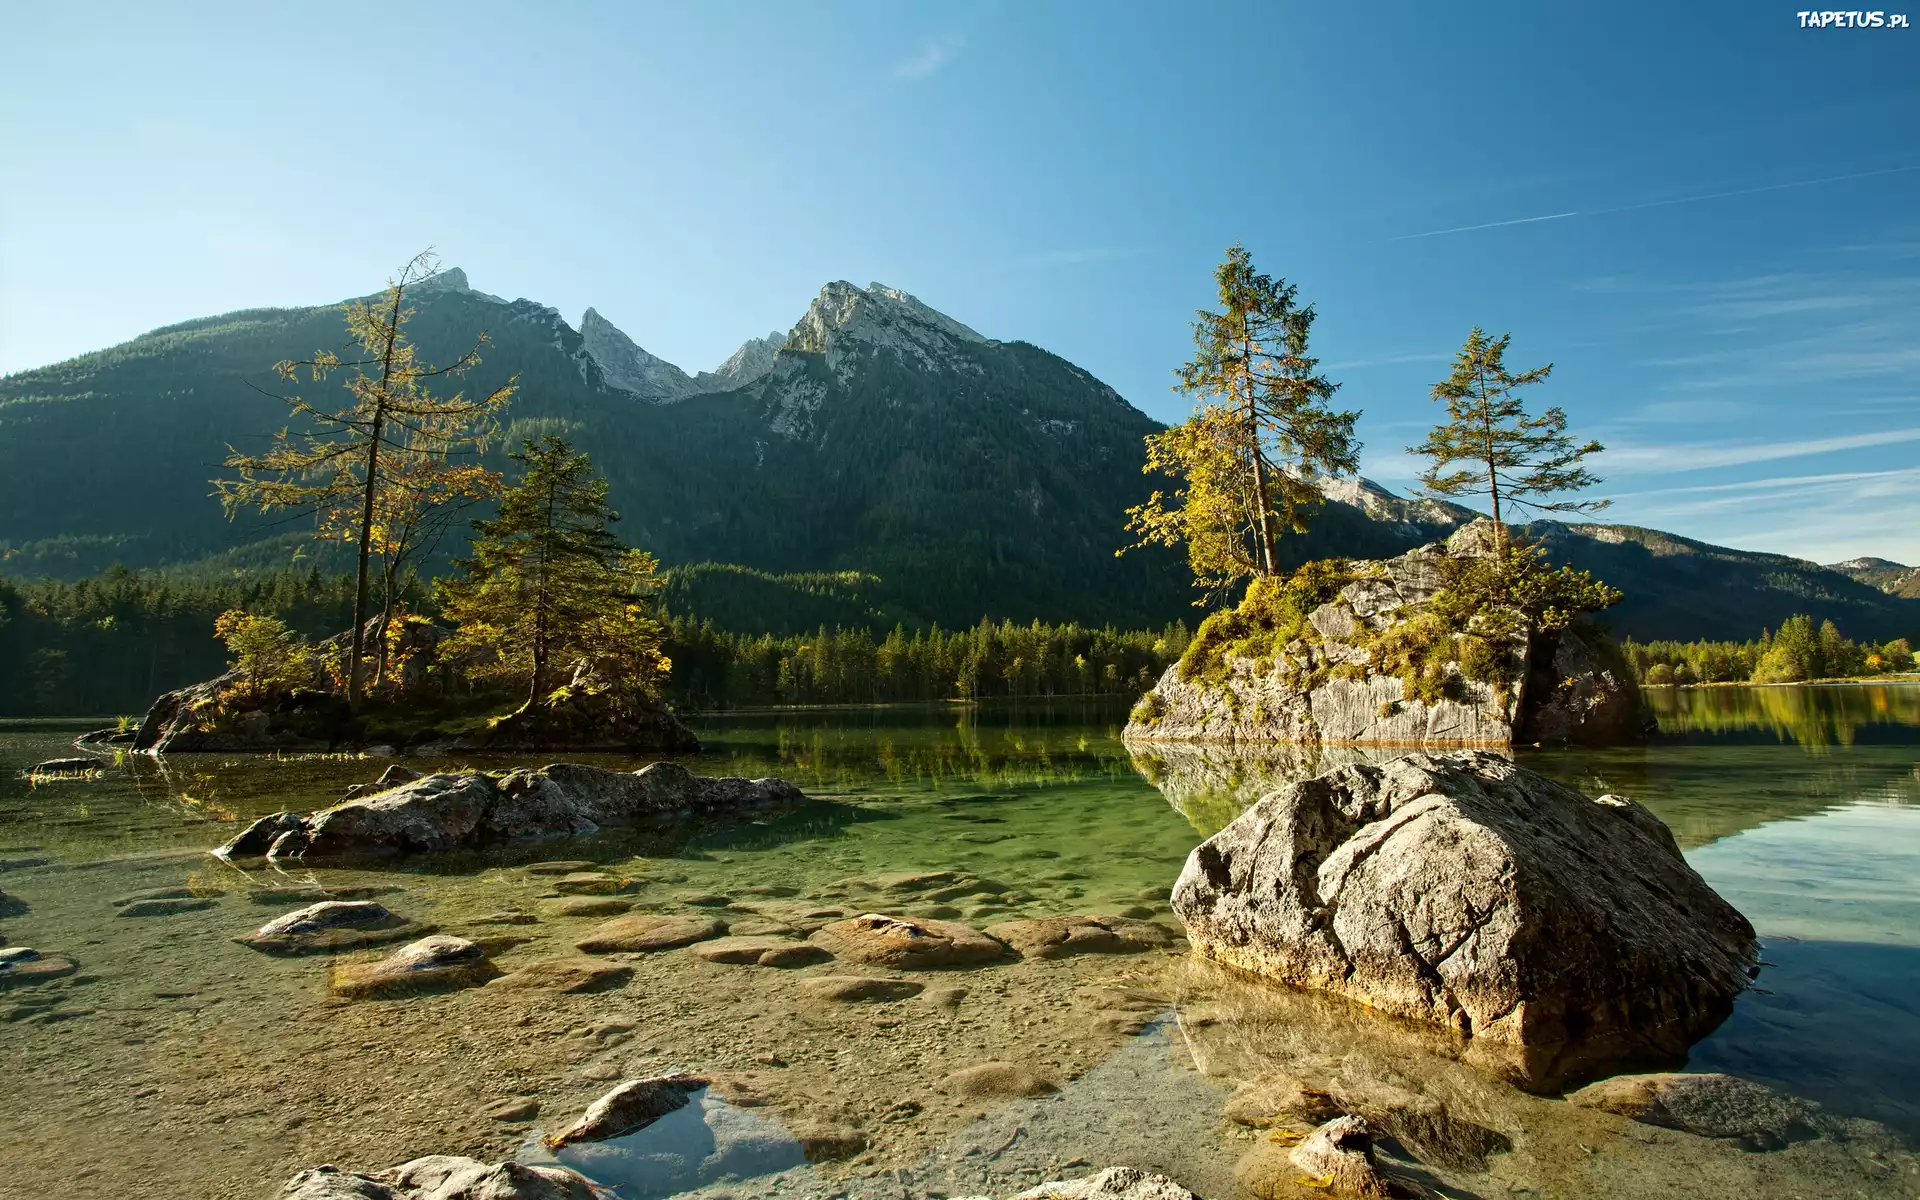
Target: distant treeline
112,643
1798,650
714,668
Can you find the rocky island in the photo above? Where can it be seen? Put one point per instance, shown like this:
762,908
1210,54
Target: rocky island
1371,653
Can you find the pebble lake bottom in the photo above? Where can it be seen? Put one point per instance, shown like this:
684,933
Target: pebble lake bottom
176,1062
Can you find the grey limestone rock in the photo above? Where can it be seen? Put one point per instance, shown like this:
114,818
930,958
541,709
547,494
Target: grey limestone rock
1558,935
1322,689
453,810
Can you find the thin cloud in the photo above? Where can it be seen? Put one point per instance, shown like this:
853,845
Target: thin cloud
1601,212
1359,364
933,54
1489,225
1701,457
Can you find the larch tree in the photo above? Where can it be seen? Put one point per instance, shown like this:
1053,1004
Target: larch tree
1489,446
377,450
550,584
1262,433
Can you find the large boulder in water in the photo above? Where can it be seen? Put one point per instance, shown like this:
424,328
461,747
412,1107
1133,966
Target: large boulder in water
1271,671
452,810
1562,935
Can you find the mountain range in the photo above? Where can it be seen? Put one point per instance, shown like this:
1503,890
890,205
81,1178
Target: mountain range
879,462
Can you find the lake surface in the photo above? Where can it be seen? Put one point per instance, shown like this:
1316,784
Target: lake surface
177,1062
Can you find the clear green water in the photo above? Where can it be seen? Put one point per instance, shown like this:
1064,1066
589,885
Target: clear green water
1801,805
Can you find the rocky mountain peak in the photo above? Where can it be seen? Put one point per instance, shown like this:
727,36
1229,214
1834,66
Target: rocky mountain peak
447,279
752,360
626,366
878,316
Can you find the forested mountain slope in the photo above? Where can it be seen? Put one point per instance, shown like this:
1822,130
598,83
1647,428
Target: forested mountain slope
883,463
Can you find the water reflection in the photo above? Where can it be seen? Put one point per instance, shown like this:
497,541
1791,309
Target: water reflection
1814,717
1212,784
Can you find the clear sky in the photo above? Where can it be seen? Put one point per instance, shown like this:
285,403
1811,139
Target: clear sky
1706,216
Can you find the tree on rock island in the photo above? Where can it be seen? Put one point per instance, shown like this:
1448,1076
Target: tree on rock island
1489,446
1261,433
374,469
549,586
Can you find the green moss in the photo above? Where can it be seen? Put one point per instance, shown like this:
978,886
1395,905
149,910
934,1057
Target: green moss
1149,709
1273,614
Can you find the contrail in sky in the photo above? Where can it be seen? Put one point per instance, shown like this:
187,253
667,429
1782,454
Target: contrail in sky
1599,212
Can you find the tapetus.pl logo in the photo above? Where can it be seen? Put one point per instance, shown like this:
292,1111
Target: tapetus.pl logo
1853,20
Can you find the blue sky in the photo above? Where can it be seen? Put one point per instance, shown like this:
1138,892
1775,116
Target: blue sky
1707,217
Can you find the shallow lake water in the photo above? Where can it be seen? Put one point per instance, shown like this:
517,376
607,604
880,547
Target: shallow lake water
176,1062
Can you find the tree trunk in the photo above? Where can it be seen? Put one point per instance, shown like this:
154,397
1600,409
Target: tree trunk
1264,505
366,506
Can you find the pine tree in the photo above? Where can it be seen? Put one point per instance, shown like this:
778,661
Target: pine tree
549,584
1261,433
381,452
1513,459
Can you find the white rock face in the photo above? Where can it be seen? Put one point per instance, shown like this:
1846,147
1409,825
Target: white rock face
751,361
628,367
844,321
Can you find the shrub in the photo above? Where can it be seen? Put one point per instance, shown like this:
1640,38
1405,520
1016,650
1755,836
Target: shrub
267,654
1273,614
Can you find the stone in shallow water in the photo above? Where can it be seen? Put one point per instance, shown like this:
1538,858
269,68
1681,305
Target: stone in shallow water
760,951
510,916
586,906
513,1108
566,867
163,908
858,989
906,944
1062,937
1114,1183
633,1105
1340,1155
66,766
21,966
331,926
1555,935
997,1079
258,838
1709,1105
441,1177
596,883
570,976
289,895
167,893
650,933
432,963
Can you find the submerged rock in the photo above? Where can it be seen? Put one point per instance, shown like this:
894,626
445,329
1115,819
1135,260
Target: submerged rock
999,1080
908,944
330,926
1753,1116
441,1177
1114,1183
65,766
859,989
1323,687
1338,1156
639,933
568,976
633,1105
449,811
1552,934
21,966
1063,937
164,906
432,963
760,951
